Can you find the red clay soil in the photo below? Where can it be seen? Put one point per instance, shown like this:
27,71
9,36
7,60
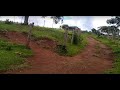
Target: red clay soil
95,59
47,43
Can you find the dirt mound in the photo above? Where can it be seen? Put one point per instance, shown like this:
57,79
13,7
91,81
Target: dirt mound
44,42
47,43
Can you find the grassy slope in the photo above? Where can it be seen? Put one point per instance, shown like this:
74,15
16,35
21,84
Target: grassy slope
41,32
12,56
115,46
75,49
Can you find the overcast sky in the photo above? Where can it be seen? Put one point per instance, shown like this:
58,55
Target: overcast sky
83,22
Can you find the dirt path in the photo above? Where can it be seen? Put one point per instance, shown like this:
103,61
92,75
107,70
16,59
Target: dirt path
95,59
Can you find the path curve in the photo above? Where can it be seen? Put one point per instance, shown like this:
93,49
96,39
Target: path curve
95,59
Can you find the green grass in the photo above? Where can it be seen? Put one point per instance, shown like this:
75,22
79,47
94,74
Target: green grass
38,32
42,32
115,46
12,56
75,49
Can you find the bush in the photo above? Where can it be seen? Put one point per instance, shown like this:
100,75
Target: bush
80,39
8,22
75,39
61,49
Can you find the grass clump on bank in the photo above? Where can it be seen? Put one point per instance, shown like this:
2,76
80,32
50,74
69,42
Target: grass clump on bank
12,56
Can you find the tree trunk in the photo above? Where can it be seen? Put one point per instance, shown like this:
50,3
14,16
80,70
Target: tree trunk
26,20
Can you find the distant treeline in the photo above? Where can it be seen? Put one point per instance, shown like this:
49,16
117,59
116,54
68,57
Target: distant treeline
111,31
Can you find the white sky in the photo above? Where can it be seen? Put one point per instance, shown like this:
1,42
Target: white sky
83,22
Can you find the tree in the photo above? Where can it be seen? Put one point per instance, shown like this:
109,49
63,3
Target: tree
64,26
116,21
114,31
97,32
56,19
105,29
109,30
26,20
93,30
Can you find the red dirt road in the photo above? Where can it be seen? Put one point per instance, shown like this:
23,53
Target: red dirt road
95,59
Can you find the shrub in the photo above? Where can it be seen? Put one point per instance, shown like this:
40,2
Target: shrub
75,39
61,49
8,22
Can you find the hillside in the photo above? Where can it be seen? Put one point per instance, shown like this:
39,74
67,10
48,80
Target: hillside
88,56
39,33
47,38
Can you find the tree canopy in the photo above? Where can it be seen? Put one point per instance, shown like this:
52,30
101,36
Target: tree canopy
56,19
115,20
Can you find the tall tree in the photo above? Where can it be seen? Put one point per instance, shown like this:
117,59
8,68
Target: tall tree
97,32
26,20
116,21
105,29
109,30
93,30
114,30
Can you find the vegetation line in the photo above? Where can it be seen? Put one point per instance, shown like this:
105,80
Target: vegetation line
116,51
